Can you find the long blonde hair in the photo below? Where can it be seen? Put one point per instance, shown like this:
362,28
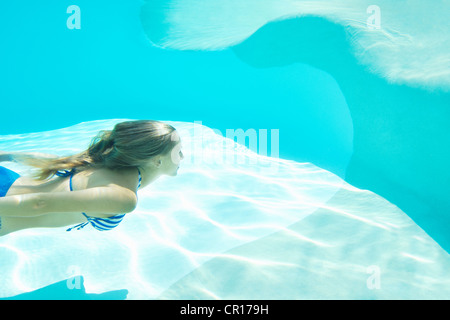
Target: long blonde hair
129,144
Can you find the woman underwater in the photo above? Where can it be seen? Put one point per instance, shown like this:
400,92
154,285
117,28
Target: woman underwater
96,187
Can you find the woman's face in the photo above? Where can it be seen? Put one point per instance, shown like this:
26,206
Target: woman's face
171,161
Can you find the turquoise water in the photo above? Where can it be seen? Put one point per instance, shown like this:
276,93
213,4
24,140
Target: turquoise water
351,205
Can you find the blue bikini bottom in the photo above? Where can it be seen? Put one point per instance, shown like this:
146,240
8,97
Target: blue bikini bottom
7,178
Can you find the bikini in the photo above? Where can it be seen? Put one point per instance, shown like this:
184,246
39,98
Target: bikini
7,178
101,224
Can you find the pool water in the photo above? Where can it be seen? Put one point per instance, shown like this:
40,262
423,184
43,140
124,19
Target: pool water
338,191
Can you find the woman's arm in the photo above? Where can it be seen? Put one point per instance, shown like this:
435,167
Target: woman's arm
100,200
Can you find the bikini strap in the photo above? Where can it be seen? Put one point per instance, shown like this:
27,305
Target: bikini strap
140,178
66,173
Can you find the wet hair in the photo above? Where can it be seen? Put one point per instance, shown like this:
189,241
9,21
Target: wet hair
129,144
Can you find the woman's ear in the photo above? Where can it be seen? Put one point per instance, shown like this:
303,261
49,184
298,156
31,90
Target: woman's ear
157,162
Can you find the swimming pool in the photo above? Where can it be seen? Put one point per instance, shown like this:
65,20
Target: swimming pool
349,201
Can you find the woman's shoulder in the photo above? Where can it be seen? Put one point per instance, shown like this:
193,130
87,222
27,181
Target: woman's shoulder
127,178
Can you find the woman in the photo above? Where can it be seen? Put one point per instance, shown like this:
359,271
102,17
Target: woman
96,187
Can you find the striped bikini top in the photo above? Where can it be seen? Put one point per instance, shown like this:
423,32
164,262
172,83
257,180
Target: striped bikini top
101,224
